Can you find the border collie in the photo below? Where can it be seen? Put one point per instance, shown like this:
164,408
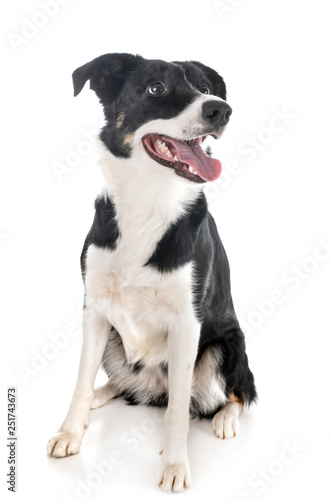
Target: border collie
158,311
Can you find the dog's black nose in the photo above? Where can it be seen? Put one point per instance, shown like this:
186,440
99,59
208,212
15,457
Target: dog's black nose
216,112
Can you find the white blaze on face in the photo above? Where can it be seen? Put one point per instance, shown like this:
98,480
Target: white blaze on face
173,146
189,124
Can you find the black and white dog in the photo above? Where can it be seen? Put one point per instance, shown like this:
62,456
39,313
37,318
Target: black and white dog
158,309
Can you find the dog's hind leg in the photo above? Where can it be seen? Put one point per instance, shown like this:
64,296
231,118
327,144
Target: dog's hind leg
67,440
104,393
239,379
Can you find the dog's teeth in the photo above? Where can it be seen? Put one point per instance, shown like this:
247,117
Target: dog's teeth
169,154
191,170
176,158
158,142
163,147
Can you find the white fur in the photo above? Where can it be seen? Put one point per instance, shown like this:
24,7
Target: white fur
148,199
103,394
225,422
67,440
208,390
138,301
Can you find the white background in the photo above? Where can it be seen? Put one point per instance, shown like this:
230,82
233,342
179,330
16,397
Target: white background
271,215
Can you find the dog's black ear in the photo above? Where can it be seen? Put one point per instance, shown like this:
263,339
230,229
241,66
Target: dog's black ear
219,86
106,74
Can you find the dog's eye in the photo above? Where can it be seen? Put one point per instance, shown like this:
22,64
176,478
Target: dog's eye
156,89
205,89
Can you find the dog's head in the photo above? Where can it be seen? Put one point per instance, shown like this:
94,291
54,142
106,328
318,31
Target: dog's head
163,110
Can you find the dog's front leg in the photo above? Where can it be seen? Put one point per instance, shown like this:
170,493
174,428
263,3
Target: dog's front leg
69,436
182,351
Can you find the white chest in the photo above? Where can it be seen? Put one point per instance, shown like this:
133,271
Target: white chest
138,301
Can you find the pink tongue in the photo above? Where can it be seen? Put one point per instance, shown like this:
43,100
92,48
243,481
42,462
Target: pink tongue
207,168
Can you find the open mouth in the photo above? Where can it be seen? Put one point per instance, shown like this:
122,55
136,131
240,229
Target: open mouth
187,158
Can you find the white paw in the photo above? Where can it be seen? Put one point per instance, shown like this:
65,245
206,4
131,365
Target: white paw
63,444
103,394
174,477
99,400
225,422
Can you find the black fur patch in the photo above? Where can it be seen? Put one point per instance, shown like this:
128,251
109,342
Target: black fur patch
160,400
164,368
177,247
137,367
104,231
208,151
